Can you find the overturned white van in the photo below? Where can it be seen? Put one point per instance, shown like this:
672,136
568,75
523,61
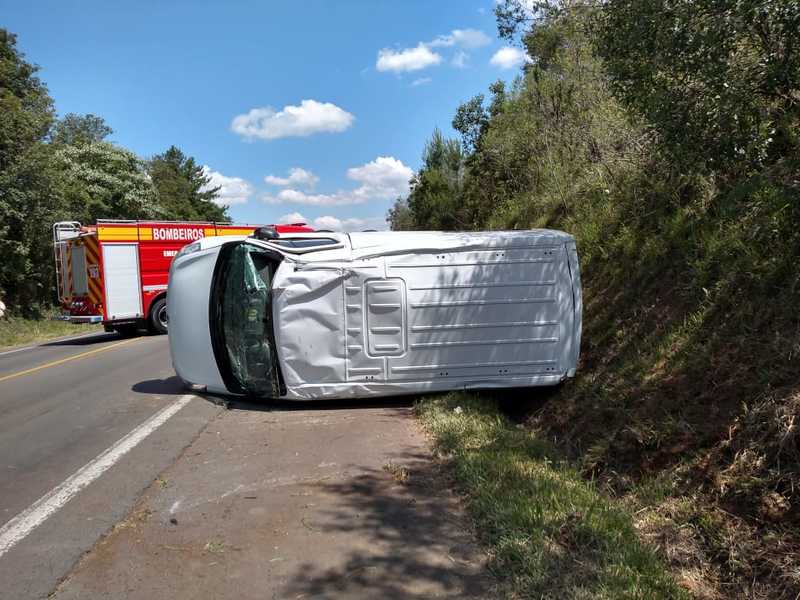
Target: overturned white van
335,315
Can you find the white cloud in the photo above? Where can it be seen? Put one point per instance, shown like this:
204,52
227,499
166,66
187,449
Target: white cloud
293,196
464,38
421,81
233,190
297,176
292,217
384,178
459,59
407,59
422,57
351,224
328,222
509,57
292,121
335,223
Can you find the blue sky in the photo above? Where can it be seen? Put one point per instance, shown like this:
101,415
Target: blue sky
331,101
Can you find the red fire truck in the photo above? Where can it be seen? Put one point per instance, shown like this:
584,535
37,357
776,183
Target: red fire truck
115,272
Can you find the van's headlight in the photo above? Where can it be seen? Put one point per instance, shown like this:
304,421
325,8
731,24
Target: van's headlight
188,249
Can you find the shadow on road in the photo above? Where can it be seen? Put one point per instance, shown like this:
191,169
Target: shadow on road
171,386
234,403
89,340
403,535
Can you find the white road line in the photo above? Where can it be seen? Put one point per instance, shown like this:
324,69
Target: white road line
17,350
38,512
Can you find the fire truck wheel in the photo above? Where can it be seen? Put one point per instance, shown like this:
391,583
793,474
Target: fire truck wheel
158,316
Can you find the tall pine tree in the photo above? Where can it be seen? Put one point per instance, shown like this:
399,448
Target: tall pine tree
183,188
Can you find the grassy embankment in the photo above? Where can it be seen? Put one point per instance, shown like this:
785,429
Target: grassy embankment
551,533
16,331
684,415
688,400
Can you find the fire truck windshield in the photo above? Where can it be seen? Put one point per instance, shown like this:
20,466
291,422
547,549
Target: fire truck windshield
241,321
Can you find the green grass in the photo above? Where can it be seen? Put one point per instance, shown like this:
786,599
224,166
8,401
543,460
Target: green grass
16,331
551,533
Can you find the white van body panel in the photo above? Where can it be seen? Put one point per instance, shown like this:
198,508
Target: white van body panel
425,311
387,313
190,345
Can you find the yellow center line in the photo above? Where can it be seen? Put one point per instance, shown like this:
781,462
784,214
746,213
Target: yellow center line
67,359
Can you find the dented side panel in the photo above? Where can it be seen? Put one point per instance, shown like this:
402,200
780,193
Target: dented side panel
308,310
478,311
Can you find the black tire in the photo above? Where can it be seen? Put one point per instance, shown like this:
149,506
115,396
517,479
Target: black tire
159,323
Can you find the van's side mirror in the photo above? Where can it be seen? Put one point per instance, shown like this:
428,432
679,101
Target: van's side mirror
265,233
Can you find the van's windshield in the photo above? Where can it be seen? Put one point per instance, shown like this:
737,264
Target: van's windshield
241,326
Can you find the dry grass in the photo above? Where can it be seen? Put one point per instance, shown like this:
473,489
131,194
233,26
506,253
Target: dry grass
399,473
16,331
551,534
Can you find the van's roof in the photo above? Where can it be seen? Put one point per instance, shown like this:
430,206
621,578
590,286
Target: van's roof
415,240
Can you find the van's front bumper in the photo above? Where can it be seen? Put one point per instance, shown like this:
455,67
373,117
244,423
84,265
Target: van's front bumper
189,331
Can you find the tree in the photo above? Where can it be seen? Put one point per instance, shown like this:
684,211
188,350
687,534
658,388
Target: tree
26,109
77,176
400,217
519,16
472,117
718,80
470,121
104,181
435,198
26,195
80,129
183,187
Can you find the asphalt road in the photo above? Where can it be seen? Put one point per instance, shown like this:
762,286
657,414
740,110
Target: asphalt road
116,483
62,404
312,500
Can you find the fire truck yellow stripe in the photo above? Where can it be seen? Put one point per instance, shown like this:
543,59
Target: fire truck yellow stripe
92,258
145,233
210,231
91,250
112,234
94,291
234,231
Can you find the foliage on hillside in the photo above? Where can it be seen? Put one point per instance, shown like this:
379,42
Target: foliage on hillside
64,169
665,138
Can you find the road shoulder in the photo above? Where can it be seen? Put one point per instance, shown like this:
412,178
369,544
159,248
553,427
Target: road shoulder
306,501
19,334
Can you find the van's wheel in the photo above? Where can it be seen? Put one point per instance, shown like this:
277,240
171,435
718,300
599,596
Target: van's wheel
159,322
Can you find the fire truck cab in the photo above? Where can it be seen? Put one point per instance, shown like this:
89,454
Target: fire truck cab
115,272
